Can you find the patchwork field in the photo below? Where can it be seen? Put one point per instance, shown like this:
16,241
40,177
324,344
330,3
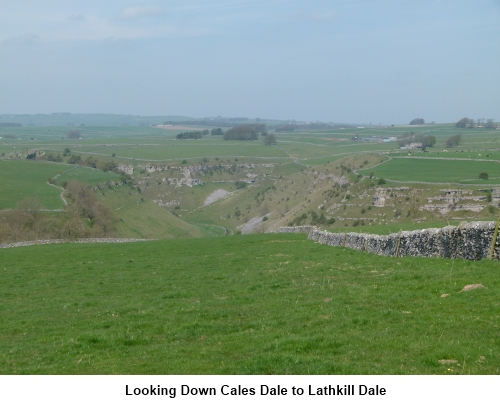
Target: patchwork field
257,304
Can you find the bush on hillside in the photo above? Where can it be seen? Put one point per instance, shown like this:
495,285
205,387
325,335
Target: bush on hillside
75,134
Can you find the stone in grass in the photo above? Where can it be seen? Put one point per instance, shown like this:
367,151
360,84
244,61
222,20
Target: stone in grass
445,295
448,361
471,287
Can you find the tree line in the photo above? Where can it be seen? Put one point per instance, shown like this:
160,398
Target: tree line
453,140
74,159
411,137
189,135
471,123
246,132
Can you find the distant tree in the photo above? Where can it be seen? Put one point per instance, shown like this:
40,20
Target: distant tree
74,160
429,140
453,140
417,121
90,161
483,176
75,134
189,135
269,139
241,133
217,131
462,123
240,184
381,181
51,157
108,166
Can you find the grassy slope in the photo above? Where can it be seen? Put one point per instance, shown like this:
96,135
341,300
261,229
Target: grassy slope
140,217
258,304
436,170
21,179
86,175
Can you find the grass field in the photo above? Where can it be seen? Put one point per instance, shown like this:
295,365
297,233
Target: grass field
86,175
258,304
21,179
198,149
436,170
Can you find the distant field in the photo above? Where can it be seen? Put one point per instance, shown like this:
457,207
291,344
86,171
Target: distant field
87,175
98,132
436,170
307,151
451,154
146,142
21,179
198,149
258,304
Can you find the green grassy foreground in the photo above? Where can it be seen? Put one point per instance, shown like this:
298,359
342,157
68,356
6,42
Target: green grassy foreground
257,304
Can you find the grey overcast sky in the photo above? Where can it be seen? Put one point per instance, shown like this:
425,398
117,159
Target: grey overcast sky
351,61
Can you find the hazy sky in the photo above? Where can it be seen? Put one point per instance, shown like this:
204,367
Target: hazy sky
354,61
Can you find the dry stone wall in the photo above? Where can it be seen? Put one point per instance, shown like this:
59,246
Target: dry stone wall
83,240
470,241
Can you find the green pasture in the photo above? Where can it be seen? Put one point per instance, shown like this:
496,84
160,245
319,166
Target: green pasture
20,179
436,171
88,132
196,149
464,154
151,143
87,175
258,304
327,159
